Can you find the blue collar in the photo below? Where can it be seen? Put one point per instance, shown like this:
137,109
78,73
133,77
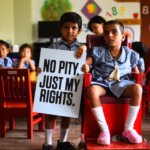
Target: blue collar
122,57
75,43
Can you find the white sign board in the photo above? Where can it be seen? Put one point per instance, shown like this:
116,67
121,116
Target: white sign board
59,85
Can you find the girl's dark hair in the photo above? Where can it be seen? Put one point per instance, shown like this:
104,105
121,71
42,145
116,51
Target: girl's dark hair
4,43
139,47
71,17
95,19
25,45
115,22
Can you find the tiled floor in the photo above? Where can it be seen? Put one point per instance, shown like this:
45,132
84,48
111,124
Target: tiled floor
16,140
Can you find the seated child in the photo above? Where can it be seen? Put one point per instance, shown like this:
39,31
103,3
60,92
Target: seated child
5,62
140,48
111,66
95,25
24,60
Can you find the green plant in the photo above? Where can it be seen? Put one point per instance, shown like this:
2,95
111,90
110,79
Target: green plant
53,9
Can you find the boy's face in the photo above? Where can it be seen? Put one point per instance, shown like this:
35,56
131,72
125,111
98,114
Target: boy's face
97,28
69,31
3,51
112,35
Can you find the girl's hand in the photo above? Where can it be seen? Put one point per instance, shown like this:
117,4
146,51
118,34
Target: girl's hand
86,68
80,51
23,60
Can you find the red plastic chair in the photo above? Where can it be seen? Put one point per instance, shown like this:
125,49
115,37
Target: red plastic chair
146,95
16,100
97,40
115,109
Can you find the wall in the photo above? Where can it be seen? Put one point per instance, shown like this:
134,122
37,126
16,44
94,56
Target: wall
16,21
23,21
19,17
145,12
127,11
7,20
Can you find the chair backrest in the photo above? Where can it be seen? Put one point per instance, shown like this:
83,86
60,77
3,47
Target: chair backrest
15,86
98,40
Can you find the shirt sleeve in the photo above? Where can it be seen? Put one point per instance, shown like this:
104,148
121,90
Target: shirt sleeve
10,63
33,61
96,54
141,65
1,61
53,45
134,59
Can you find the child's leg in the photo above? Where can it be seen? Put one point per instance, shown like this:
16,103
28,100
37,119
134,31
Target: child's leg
49,125
82,118
62,143
65,122
135,92
94,93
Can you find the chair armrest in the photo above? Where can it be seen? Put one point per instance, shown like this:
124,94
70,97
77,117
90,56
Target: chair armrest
138,77
87,79
147,70
147,76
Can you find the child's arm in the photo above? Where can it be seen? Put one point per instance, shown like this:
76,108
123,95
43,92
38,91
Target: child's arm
80,51
86,67
135,70
23,60
32,65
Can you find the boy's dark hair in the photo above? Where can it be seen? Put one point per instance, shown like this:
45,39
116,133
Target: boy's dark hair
139,47
25,45
95,19
115,22
4,43
71,17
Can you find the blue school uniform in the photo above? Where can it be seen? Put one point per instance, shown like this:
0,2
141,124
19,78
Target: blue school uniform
141,64
25,65
6,62
104,64
62,45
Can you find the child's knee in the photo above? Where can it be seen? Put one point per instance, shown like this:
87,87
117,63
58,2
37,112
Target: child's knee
93,90
138,88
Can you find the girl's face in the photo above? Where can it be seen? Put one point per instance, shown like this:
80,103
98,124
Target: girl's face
26,52
3,51
97,28
113,36
69,31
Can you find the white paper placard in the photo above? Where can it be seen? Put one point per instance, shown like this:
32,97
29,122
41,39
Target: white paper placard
59,85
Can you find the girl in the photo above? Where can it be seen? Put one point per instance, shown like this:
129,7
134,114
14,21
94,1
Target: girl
111,66
25,60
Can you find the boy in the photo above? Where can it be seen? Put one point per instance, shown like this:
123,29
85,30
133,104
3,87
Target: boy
95,25
111,66
5,62
70,27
